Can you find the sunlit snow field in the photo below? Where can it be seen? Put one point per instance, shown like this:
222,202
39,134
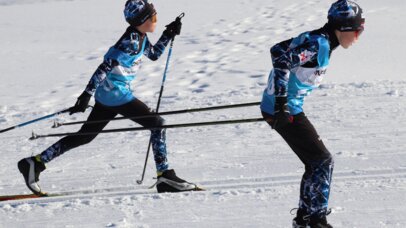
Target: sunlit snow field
50,48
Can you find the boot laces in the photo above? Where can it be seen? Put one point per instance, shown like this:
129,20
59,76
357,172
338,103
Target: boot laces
305,218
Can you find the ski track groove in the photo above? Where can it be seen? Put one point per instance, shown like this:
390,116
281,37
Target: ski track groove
218,186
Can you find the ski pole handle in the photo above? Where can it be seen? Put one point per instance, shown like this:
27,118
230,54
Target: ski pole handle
178,21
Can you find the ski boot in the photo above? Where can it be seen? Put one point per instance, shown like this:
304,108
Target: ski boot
30,168
169,182
319,223
301,220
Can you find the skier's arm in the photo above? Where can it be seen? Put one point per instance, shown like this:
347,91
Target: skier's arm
285,59
100,75
153,52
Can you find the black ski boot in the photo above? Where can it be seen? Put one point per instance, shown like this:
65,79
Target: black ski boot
301,220
319,223
169,182
30,168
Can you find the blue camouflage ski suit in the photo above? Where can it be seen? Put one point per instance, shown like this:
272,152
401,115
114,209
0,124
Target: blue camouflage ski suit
111,86
299,66
111,83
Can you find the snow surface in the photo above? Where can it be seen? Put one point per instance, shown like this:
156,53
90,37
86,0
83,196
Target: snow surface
50,48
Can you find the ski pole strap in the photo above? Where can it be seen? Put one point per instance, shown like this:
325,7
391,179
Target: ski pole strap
184,125
165,113
181,16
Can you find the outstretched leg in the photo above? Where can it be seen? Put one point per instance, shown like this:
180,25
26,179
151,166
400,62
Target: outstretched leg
31,167
98,113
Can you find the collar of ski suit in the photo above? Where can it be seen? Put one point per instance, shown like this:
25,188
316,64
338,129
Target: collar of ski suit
328,31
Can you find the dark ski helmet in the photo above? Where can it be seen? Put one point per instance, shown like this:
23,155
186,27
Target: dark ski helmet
345,15
136,12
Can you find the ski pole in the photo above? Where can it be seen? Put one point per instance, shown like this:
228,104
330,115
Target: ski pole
159,99
35,120
56,124
171,126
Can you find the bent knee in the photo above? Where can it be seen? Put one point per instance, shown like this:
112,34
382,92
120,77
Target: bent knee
156,122
325,164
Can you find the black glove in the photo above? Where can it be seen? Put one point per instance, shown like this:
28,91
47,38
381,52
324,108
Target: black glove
81,103
282,116
173,28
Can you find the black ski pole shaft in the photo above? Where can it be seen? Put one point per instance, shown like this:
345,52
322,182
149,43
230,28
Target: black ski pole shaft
35,120
171,126
165,113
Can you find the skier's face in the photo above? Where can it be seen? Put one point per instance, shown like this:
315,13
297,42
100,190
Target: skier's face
346,39
149,25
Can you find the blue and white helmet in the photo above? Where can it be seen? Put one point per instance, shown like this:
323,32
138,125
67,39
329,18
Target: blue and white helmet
346,15
136,12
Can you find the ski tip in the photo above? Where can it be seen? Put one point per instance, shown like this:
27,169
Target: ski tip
42,194
23,196
197,188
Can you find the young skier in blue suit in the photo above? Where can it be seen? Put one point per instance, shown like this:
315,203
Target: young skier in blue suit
111,86
299,65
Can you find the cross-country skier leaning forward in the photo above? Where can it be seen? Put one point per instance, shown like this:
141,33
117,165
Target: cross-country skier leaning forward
110,85
298,67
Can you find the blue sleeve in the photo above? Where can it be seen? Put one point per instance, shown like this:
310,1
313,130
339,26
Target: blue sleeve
323,54
153,52
284,59
100,75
